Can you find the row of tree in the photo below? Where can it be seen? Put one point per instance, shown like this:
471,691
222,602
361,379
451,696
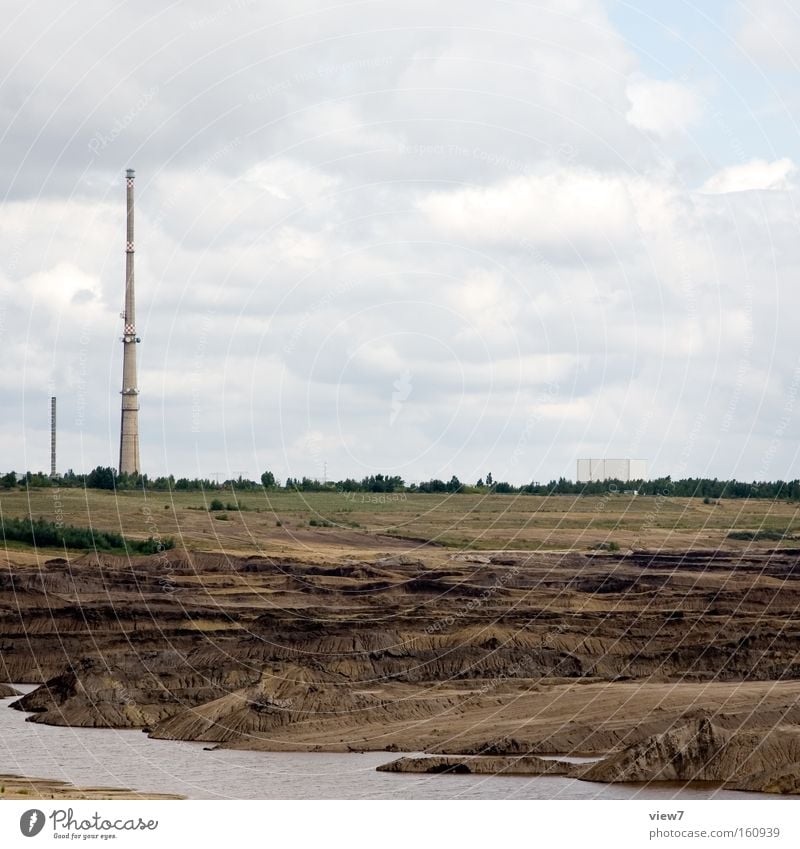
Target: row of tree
105,477
54,534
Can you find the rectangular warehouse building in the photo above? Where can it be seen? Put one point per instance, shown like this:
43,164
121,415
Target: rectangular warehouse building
593,470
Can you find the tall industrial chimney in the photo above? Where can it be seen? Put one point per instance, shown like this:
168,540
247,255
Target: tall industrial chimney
129,427
52,437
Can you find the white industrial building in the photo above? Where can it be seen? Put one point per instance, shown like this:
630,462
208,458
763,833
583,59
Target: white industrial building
590,471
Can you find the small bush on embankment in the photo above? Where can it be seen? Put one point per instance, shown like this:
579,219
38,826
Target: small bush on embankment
757,535
216,505
49,534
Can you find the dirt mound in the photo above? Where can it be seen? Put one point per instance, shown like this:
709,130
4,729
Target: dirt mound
93,694
291,695
702,751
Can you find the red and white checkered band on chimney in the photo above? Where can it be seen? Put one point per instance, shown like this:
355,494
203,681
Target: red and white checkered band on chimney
130,183
129,247
129,330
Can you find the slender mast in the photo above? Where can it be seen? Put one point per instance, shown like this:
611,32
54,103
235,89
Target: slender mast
53,437
129,427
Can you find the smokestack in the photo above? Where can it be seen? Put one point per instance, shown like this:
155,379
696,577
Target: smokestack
129,427
52,437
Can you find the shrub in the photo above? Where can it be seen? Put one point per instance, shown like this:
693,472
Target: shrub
756,535
150,545
216,504
240,505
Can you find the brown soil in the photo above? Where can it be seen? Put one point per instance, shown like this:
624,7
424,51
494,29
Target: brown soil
502,654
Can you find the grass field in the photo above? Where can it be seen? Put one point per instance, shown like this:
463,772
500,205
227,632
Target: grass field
285,521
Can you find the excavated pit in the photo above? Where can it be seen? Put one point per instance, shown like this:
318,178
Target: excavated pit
493,654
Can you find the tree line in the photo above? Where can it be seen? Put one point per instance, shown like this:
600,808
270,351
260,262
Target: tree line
105,477
42,532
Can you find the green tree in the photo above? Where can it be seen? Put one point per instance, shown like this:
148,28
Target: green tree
454,485
268,480
101,477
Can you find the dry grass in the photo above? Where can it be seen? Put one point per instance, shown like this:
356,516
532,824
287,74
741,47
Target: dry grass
281,521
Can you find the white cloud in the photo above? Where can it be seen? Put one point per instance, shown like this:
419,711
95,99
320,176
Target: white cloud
756,175
662,107
769,32
287,179
486,300
584,212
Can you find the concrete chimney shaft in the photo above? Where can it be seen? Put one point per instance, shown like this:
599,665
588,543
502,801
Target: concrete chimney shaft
129,427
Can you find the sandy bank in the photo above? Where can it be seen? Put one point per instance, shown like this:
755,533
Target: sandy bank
17,787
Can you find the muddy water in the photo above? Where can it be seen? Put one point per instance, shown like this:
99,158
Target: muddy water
111,758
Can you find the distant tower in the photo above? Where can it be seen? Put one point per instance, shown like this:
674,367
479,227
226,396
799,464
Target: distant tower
52,437
129,427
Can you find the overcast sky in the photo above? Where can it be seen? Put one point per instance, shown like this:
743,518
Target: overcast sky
422,238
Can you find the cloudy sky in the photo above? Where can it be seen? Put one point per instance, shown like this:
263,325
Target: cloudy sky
423,238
